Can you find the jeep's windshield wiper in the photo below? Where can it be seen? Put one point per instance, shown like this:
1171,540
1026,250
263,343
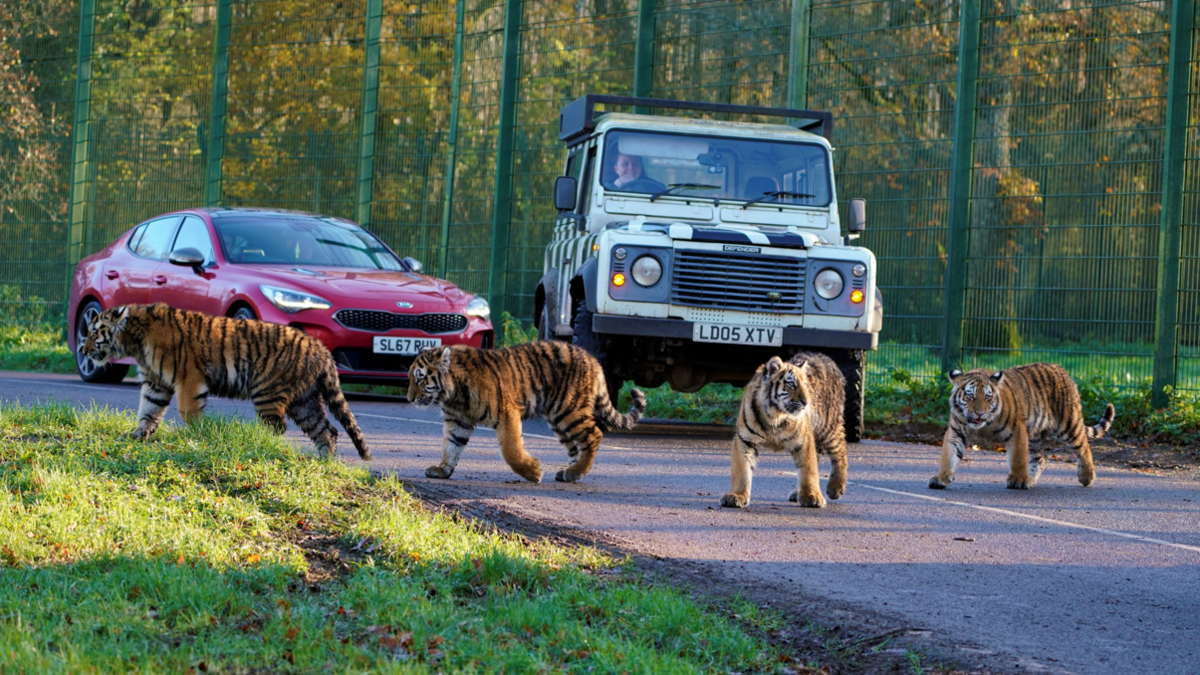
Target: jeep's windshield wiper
683,186
776,195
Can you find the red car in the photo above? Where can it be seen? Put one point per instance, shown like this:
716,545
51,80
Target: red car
326,276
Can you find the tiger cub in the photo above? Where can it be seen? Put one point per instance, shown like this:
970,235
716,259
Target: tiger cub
792,407
193,355
1039,400
499,388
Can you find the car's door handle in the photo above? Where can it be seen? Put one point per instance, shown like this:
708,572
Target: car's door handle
160,279
112,274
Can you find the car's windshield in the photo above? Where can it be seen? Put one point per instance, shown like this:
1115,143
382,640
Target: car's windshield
295,239
724,168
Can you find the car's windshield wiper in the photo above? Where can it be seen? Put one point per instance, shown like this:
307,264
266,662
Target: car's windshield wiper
776,195
683,186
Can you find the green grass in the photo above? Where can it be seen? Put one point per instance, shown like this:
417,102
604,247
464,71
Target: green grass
37,348
220,547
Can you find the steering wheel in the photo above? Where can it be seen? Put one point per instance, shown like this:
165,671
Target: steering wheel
643,185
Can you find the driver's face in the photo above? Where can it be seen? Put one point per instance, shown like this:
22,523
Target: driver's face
628,167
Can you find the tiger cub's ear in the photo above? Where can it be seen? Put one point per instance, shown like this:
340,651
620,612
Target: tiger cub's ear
998,375
954,374
445,359
772,366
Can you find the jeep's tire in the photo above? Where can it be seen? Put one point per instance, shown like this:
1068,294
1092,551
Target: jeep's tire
88,370
586,339
853,364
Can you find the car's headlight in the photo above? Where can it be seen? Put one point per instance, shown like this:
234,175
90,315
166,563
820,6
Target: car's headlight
479,307
829,283
647,270
293,301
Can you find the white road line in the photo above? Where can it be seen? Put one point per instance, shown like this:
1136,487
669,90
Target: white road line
438,424
1017,514
90,387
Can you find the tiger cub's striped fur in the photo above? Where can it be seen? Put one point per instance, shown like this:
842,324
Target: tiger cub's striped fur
1039,400
194,355
792,407
499,388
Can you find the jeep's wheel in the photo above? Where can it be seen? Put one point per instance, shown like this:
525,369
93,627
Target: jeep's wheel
543,329
585,338
88,370
853,365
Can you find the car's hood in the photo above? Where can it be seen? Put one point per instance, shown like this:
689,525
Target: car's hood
342,285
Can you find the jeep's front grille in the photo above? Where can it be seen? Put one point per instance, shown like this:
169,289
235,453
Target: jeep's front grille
382,322
739,282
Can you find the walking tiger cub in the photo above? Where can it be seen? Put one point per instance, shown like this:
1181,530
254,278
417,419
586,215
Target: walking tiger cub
193,355
1039,400
563,383
792,407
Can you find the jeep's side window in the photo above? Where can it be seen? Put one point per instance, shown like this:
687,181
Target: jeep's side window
585,181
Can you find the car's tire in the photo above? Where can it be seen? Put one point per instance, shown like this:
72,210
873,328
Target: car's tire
244,313
87,368
586,339
853,364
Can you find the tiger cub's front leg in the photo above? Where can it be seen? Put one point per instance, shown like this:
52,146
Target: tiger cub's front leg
1018,458
808,479
455,434
953,447
155,399
742,462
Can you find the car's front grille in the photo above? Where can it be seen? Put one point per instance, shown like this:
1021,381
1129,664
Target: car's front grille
382,322
348,358
739,282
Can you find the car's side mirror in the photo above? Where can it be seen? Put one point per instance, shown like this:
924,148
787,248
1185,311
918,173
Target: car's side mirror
565,188
414,264
858,216
188,257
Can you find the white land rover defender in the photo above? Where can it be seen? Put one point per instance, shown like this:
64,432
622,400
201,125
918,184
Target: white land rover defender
690,251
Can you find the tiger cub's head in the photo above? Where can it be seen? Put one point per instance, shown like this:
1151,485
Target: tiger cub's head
975,399
105,332
784,387
429,381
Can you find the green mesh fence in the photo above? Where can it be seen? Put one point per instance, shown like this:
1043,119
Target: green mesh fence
1064,150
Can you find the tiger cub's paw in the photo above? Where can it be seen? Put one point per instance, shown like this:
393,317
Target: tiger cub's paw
567,476
815,501
1086,476
1020,482
531,472
135,435
735,501
835,490
940,483
438,471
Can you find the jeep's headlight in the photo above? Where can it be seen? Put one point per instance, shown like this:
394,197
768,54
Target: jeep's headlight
647,270
293,301
479,307
829,283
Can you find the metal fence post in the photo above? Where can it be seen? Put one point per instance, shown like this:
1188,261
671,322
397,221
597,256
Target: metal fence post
81,137
960,183
643,57
452,141
216,109
1174,154
502,200
797,87
370,104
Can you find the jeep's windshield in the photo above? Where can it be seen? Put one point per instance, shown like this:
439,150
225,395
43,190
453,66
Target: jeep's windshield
743,169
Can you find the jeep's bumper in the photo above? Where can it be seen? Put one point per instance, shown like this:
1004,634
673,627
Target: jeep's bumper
682,330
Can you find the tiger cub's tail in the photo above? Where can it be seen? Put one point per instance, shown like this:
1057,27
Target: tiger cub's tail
611,420
1102,427
331,391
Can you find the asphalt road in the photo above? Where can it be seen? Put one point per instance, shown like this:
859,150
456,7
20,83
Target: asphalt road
1057,579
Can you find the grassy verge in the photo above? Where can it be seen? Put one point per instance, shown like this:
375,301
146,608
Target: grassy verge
218,547
38,349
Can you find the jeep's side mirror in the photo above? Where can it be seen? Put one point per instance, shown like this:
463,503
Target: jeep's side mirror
414,264
564,193
858,216
188,257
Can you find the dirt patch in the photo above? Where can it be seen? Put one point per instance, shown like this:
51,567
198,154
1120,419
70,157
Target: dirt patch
327,557
1127,453
840,640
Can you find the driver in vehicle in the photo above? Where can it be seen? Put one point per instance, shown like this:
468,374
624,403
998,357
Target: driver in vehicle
629,175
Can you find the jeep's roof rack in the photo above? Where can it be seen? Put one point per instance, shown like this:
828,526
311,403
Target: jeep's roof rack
578,117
